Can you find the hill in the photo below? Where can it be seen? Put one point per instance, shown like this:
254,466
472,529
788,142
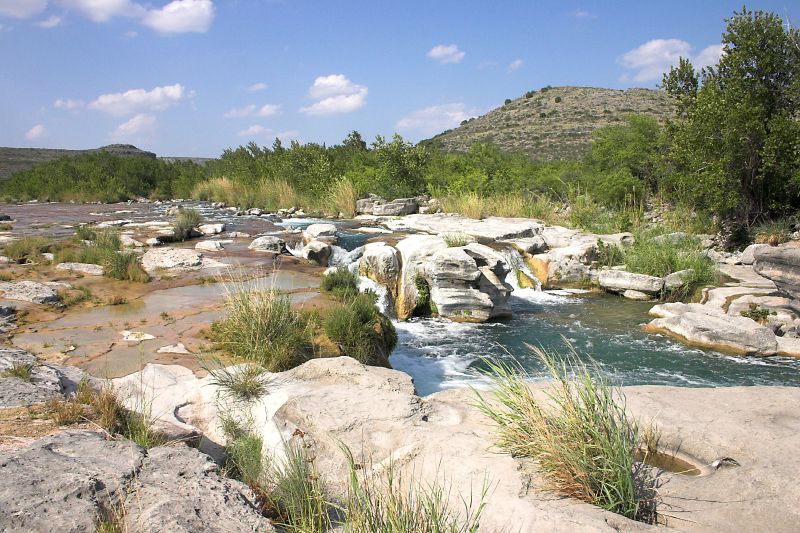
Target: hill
14,160
554,123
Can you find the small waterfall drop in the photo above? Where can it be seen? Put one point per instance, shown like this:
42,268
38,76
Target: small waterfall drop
518,269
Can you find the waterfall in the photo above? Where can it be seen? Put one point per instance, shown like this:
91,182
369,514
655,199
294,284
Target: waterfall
518,266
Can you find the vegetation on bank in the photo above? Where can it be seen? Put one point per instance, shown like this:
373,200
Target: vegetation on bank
584,442
729,155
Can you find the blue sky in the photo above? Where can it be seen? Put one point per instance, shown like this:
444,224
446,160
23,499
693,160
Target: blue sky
192,77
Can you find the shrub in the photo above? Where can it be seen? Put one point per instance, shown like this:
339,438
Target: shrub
772,232
261,326
507,101
757,313
361,331
557,99
342,283
581,437
380,500
185,222
659,257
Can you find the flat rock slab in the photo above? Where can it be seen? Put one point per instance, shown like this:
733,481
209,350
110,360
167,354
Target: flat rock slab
781,264
488,229
621,281
172,259
33,291
81,268
46,382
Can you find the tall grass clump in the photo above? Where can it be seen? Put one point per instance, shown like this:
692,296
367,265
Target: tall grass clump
387,503
105,250
772,232
454,240
185,222
584,442
242,383
470,204
342,283
260,326
264,194
28,249
361,331
343,195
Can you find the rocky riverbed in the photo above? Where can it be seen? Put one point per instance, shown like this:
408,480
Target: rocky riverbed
493,281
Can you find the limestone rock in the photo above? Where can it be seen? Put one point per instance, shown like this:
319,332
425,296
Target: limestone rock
489,229
129,242
397,207
530,245
320,232
209,246
171,258
268,244
178,349
678,279
621,281
748,256
381,263
318,252
724,333
364,206
414,251
33,291
211,229
83,268
781,264
637,295
136,336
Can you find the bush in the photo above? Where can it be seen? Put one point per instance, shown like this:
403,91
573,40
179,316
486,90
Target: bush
584,442
660,257
361,331
342,283
557,99
507,101
185,222
261,326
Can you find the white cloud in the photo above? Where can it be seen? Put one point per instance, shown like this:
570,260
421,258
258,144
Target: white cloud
708,56
253,111
257,87
105,10
515,65
335,94
583,14
36,132
50,22
181,16
435,119
22,8
446,53
652,59
137,125
255,130
68,104
135,100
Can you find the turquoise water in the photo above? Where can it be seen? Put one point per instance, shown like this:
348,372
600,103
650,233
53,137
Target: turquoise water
439,354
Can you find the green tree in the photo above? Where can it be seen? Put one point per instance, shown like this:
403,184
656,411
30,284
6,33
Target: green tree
633,146
735,149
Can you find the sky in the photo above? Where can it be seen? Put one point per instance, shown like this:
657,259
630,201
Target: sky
194,77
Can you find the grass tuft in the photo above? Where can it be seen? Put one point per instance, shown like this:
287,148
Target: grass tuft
19,370
580,435
244,382
185,222
28,249
455,240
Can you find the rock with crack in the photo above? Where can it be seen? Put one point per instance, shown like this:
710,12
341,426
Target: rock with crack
621,281
73,481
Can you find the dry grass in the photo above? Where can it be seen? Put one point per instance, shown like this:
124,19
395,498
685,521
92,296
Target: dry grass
270,195
343,195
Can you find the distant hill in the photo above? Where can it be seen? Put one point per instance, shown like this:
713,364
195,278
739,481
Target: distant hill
14,160
554,123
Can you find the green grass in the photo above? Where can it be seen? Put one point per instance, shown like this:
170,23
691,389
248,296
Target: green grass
582,439
104,250
260,326
19,370
29,249
757,313
342,283
185,221
241,382
385,502
361,331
